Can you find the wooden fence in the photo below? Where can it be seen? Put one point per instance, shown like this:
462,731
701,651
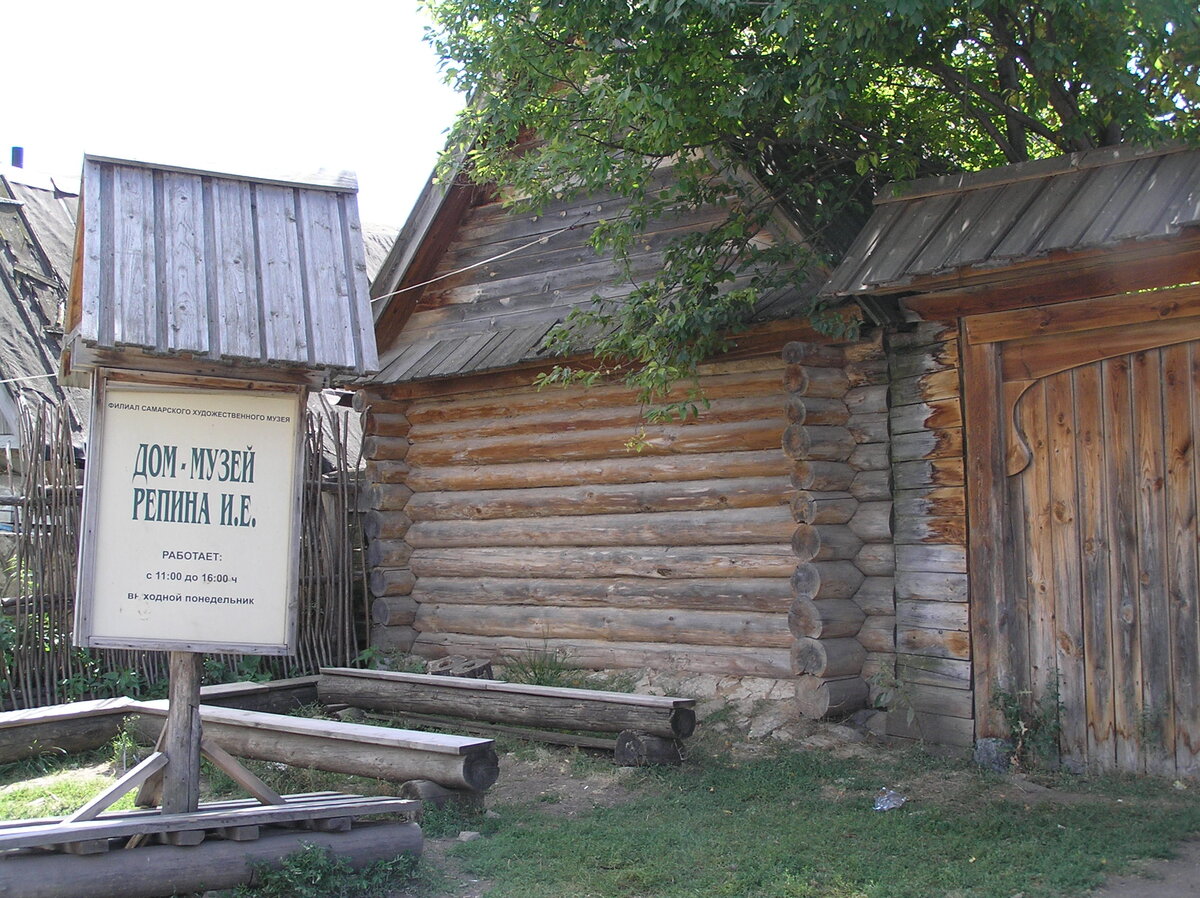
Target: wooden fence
39,665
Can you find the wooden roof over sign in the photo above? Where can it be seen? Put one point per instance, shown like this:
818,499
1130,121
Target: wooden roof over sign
928,232
258,272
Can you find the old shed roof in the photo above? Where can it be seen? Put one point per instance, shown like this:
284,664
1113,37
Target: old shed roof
926,231
258,271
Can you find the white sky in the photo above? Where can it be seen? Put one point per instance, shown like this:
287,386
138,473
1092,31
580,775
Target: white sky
256,87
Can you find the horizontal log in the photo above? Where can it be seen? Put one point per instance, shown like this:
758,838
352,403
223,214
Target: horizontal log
822,476
934,357
730,526
385,424
70,728
215,864
386,471
392,639
767,595
945,672
878,633
377,448
934,643
873,522
932,586
801,441
513,703
674,626
932,729
831,542
914,390
826,580
926,473
812,507
877,595
815,410
394,611
879,666
872,486
672,439
388,553
456,762
934,559
464,412
808,380
872,428
385,524
816,354
366,400
760,401
927,444
922,334
391,581
927,699
595,655
867,372
867,400
876,560
818,698
826,619
635,749
931,529
652,562
938,414
699,495
932,501
870,457
869,346
932,615
386,496
635,469
828,657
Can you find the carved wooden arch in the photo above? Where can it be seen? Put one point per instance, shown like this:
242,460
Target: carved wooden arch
1037,343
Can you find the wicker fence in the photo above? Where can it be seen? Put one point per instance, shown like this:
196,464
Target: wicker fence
38,663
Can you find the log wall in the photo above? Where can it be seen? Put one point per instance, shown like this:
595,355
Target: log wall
843,611
511,521
932,698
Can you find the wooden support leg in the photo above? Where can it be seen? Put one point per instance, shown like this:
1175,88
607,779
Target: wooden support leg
181,780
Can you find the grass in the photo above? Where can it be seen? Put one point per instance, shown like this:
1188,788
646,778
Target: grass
801,826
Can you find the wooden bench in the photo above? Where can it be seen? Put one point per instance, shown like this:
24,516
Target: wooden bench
65,729
457,762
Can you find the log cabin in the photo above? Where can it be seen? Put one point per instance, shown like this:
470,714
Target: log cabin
964,501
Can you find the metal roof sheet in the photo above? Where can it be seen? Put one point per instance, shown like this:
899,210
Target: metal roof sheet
261,271
1084,201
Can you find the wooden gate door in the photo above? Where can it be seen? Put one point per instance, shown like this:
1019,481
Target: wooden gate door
1082,424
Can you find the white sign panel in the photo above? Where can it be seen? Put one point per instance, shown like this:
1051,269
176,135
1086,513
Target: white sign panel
191,504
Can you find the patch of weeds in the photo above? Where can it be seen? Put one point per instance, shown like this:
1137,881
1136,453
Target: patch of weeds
1034,725
375,658
543,667
55,794
315,872
441,823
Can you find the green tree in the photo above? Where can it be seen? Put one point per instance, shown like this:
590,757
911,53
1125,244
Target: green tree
822,100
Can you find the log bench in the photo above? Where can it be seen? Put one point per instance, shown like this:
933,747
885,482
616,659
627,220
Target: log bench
648,727
456,762
66,729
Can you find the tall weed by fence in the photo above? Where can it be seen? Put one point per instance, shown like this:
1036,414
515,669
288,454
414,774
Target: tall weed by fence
39,665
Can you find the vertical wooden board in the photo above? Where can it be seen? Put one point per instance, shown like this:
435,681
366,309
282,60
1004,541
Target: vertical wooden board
1158,712
1063,522
1015,584
183,296
95,212
325,268
1039,557
1123,563
235,305
358,288
1095,583
135,282
1181,379
284,320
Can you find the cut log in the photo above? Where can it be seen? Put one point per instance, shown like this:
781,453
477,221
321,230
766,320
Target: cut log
385,448
394,611
381,752
877,595
808,380
643,750
654,562
823,508
384,424
727,526
639,469
868,428
387,471
831,542
818,698
391,581
498,702
867,372
365,401
392,639
816,354
386,496
822,476
828,657
876,560
816,410
385,524
617,625
878,633
431,794
870,457
826,580
61,729
872,486
873,522
826,619
801,441
388,553
867,400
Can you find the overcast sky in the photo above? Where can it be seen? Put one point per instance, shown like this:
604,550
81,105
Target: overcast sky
255,87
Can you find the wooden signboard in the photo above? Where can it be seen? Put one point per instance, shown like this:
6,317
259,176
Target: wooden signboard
192,503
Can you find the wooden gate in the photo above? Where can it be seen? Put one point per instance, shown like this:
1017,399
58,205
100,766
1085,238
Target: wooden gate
1082,423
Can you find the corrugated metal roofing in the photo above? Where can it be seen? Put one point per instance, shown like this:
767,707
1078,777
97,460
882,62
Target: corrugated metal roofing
256,270
1084,201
